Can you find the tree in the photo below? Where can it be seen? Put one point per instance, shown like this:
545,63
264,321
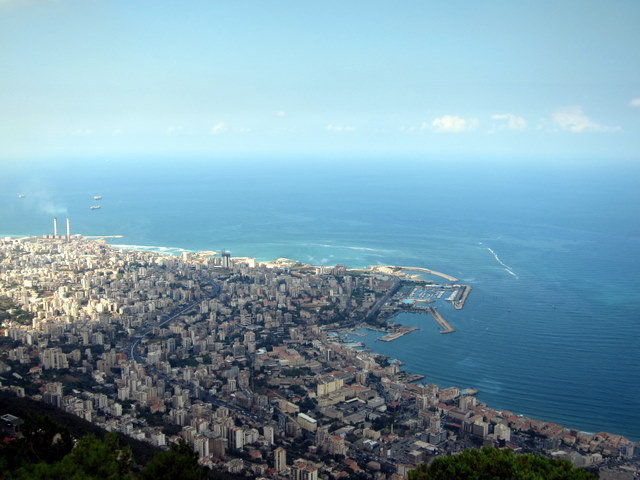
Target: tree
90,459
43,441
490,463
179,462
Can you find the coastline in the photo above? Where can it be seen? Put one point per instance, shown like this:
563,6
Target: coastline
168,251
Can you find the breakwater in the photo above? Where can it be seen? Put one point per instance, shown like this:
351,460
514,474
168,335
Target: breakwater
430,272
446,326
461,296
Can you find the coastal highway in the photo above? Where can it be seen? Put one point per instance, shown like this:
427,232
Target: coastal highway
378,305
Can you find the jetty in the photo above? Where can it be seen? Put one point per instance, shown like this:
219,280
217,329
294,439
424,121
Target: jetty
446,326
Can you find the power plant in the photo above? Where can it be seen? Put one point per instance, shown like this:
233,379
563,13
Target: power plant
56,235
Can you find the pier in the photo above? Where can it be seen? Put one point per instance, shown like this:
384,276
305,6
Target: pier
446,326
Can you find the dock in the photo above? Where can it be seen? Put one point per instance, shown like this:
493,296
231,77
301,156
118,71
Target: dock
390,337
446,326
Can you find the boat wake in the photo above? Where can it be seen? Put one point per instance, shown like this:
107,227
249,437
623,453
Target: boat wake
507,268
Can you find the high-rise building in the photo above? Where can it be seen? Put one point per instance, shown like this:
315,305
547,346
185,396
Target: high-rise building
267,432
302,470
201,445
226,259
280,459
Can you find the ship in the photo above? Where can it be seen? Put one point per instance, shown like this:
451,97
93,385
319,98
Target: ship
97,197
95,207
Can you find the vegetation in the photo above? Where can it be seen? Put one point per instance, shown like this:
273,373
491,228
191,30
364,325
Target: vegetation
295,372
26,408
491,463
179,462
183,362
47,452
11,311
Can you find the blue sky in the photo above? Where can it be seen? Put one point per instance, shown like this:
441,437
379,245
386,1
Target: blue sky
84,78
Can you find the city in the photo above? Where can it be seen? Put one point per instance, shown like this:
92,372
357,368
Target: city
248,362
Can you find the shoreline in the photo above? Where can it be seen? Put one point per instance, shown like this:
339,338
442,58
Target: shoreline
164,251
467,391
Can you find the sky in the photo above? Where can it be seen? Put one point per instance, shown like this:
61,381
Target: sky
96,78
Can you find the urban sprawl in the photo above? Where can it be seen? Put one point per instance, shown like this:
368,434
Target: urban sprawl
250,363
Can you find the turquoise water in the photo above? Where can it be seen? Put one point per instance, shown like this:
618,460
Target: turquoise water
552,249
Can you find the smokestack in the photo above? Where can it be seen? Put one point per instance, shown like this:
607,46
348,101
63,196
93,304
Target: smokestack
68,231
55,227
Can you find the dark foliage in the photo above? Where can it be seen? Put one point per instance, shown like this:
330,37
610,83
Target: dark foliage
491,464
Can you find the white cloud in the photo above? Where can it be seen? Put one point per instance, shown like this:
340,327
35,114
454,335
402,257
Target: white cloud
340,128
451,123
508,121
116,132
635,102
82,132
242,130
280,114
218,128
574,120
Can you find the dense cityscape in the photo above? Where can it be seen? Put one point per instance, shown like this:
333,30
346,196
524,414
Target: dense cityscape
249,362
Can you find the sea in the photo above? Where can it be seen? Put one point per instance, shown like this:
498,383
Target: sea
550,246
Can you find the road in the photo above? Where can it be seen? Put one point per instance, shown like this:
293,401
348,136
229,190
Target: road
131,349
138,337
378,305
207,397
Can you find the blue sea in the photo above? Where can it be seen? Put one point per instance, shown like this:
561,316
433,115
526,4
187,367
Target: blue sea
551,248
